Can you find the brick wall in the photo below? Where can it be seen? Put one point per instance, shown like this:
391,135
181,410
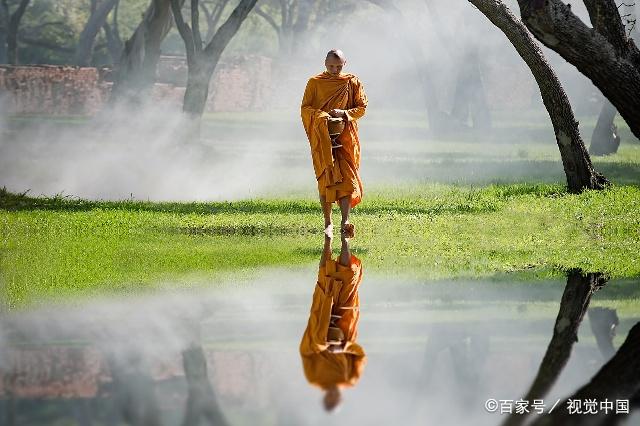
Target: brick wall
238,84
50,89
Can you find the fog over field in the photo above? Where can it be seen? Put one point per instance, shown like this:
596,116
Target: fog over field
141,155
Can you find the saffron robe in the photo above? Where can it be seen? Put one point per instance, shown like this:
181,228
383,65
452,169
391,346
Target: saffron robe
336,292
337,177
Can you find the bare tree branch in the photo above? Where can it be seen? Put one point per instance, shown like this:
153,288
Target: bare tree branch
576,162
195,25
267,18
615,72
605,18
184,30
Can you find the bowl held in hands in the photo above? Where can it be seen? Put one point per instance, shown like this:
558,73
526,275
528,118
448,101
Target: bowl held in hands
335,125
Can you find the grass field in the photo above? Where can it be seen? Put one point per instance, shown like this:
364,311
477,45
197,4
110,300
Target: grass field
443,209
53,247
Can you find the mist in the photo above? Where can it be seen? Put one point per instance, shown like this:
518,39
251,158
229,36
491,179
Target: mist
413,334
139,155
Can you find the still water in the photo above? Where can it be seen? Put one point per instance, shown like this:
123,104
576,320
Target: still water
406,352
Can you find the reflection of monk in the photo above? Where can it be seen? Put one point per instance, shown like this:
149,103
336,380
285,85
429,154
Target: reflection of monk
330,356
339,95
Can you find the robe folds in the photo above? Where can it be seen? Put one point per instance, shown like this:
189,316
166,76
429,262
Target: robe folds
338,176
336,292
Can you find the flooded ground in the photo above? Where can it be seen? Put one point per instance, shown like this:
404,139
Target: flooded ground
434,353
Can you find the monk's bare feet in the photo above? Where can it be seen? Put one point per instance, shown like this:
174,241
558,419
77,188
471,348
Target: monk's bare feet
348,230
328,230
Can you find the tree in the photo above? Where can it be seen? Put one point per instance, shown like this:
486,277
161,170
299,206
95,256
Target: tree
10,23
203,58
436,117
605,138
99,13
605,53
618,379
201,399
469,98
292,22
136,70
577,165
212,15
112,33
573,306
470,101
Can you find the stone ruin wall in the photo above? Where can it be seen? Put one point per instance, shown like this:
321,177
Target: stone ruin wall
238,84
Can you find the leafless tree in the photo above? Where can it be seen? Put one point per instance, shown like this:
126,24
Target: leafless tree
578,169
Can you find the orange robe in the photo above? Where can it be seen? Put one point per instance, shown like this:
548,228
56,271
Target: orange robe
337,177
336,292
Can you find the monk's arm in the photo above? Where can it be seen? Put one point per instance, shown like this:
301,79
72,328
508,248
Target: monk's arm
360,103
307,99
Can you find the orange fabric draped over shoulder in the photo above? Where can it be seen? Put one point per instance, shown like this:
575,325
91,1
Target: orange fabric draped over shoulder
337,177
336,292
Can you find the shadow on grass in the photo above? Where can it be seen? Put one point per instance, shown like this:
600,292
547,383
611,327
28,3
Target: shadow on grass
505,179
317,251
243,230
21,202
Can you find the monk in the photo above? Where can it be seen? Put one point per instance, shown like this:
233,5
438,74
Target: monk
333,93
331,358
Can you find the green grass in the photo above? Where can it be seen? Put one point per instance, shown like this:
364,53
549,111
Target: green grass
56,247
483,218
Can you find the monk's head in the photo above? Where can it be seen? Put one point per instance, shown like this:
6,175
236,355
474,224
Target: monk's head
332,398
335,61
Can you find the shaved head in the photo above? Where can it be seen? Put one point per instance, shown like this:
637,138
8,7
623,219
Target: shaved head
334,61
336,54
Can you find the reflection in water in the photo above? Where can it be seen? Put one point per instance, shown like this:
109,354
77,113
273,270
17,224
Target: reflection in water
331,358
618,379
573,306
436,352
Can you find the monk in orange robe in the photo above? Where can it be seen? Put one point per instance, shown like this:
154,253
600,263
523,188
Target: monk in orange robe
331,358
333,93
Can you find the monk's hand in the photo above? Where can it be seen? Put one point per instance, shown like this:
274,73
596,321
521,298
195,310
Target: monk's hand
338,113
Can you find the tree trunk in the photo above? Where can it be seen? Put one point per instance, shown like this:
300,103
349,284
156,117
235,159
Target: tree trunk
133,390
136,72
603,324
90,31
575,158
4,24
197,91
573,305
12,32
201,61
603,53
605,138
439,121
469,99
112,33
301,26
617,379
201,399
